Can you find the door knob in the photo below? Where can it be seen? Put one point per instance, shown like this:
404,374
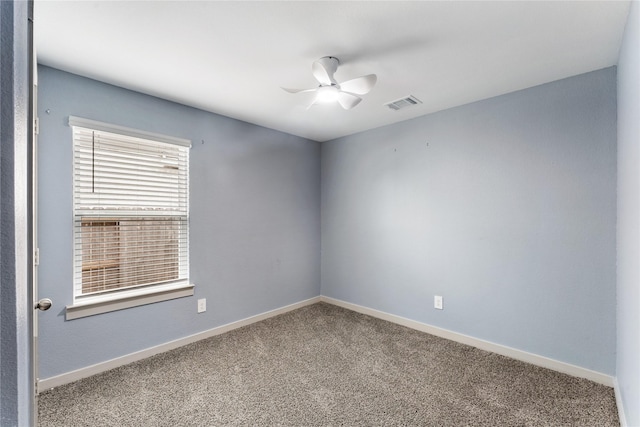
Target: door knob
44,304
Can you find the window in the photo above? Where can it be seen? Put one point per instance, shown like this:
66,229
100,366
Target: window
131,217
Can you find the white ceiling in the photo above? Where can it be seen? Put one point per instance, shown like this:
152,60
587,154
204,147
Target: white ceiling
232,58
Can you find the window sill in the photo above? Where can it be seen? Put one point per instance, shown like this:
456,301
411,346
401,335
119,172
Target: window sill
99,305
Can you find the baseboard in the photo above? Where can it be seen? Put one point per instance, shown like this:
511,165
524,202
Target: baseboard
545,362
619,404
513,353
68,377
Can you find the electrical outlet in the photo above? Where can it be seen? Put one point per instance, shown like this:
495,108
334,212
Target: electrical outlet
202,305
437,302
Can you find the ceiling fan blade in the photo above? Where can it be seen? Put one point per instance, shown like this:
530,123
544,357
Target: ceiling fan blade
360,85
347,100
323,70
298,90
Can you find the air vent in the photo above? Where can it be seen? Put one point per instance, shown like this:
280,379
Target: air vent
403,103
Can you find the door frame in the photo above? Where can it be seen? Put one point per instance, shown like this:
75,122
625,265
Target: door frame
32,184
35,259
16,364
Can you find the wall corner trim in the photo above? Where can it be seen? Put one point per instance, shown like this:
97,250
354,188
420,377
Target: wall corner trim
78,374
513,353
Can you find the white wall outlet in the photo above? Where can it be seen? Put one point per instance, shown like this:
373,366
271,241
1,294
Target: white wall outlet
437,302
202,305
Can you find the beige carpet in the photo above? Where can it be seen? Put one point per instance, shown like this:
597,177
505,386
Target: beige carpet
326,366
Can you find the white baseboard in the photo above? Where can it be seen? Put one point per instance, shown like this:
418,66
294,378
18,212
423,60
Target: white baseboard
68,377
513,353
619,404
545,362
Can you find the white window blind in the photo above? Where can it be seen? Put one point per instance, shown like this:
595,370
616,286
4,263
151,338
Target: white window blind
131,211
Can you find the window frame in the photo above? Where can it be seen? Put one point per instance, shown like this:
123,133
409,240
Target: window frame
89,305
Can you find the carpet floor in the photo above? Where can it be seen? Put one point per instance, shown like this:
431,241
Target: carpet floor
322,365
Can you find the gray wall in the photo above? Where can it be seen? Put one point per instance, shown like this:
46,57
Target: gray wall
255,224
628,343
16,373
505,207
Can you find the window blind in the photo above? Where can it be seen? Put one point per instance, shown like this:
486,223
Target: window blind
130,212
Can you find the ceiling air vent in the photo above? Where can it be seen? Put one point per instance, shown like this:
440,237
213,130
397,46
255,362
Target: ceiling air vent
403,103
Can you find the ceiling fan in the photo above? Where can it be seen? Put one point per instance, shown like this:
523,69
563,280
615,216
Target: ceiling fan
346,93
